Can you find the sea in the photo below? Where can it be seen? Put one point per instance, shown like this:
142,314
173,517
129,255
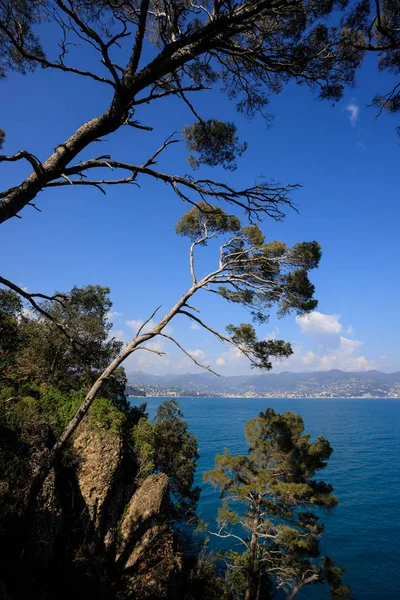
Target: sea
363,533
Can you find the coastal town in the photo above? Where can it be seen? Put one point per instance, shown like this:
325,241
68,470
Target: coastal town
329,384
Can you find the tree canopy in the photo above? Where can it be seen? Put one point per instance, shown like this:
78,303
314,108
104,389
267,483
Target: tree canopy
63,342
278,486
166,445
375,27
150,50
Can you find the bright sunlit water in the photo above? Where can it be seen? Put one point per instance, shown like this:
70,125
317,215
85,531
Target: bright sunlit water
363,532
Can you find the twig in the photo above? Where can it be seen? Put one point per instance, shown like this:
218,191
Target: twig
31,299
206,367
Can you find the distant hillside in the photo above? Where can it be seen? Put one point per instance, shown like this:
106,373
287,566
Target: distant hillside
334,383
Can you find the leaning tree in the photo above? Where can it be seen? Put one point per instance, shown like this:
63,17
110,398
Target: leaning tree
148,51
253,273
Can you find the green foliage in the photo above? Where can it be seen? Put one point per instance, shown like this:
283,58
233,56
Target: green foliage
256,274
105,415
276,482
259,273
10,331
253,235
25,15
260,351
166,445
204,218
47,356
284,271
2,138
36,414
44,378
203,582
29,418
177,454
42,405
236,576
145,448
213,143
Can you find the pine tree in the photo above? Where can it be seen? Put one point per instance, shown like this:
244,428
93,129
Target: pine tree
279,528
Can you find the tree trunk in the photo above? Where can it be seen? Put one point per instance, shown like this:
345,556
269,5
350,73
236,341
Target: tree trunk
258,585
248,595
168,61
50,460
306,581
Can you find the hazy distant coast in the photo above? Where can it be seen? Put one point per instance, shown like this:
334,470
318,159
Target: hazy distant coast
318,384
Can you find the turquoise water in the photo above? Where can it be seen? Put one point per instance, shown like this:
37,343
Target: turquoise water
363,532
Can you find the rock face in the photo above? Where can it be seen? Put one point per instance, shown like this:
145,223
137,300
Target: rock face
94,530
47,523
145,550
99,454
141,520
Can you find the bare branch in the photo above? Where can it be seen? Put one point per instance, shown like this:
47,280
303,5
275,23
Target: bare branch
228,535
45,63
152,160
93,35
139,331
192,307
31,299
260,199
158,352
137,48
220,336
23,154
206,367
169,92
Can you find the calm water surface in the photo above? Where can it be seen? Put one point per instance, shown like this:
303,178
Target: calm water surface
363,532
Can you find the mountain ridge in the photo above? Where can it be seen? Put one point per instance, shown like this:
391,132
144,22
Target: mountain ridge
286,383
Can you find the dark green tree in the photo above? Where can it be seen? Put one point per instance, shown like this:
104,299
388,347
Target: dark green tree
66,341
11,314
166,445
276,485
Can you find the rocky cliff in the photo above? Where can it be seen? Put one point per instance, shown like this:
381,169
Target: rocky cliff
95,532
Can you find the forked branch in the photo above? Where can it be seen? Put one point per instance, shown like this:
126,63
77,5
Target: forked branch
30,297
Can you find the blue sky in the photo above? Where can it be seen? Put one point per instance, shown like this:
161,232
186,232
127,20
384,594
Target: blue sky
345,158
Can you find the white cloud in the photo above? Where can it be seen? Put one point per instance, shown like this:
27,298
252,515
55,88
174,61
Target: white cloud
28,313
272,335
194,326
135,324
317,323
362,146
112,314
198,353
143,360
186,364
233,361
353,112
343,356
117,334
